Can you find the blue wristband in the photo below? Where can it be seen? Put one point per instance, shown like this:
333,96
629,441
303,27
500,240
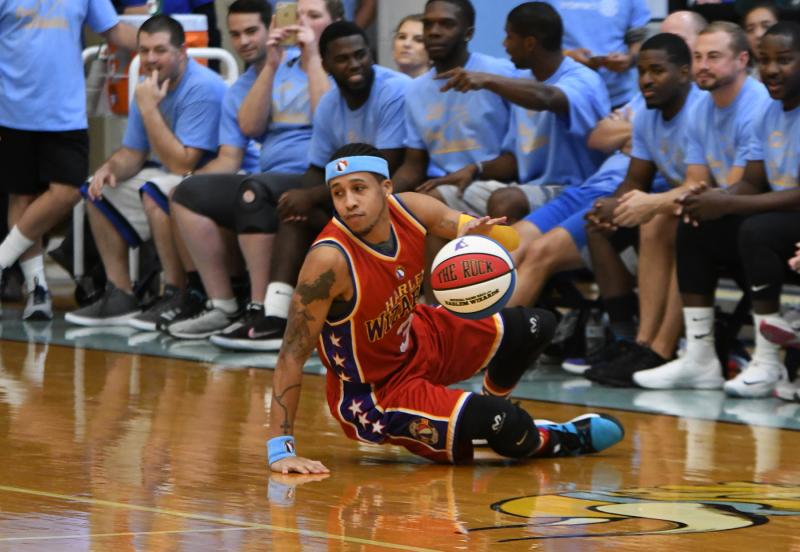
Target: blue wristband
279,448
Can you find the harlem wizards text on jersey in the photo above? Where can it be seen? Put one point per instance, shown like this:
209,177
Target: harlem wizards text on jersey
390,360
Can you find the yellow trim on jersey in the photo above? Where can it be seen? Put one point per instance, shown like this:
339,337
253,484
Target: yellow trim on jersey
353,276
420,413
363,245
406,212
498,322
453,420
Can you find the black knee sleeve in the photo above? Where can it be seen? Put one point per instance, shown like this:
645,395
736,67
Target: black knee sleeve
766,241
526,332
507,427
256,209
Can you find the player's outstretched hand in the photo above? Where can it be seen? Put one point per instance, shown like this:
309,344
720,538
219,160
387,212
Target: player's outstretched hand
480,225
298,464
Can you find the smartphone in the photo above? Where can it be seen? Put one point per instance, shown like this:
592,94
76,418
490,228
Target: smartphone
285,15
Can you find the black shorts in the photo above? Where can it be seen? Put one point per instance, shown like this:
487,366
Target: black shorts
32,159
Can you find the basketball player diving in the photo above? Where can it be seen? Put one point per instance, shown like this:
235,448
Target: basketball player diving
390,360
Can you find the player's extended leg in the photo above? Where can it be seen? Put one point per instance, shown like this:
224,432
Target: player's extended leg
526,333
510,431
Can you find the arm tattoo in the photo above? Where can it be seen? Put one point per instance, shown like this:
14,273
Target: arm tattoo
285,426
298,339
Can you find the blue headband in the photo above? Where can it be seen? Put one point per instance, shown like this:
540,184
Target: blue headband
356,163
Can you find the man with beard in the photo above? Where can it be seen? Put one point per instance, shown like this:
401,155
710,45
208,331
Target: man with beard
366,105
173,128
761,210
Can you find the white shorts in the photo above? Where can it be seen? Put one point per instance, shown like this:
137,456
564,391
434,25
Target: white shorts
476,197
126,199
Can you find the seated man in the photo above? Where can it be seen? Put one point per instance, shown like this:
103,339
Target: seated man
555,104
203,207
760,210
446,129
545,146
383,389
247,27
659,144
658,323
175,116
367,103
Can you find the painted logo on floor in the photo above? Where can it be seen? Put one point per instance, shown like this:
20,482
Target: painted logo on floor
667,510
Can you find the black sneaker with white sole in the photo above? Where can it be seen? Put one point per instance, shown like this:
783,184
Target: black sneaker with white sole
191,303
262,333
169,300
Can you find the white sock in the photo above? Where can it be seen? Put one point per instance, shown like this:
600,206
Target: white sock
13,247
33,270
278,299
228,306
765,350
699,323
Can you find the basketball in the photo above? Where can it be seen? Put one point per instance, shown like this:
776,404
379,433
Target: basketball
473,277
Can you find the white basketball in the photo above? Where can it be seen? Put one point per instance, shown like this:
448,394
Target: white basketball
473,276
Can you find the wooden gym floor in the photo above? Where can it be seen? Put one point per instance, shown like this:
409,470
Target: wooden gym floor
141,450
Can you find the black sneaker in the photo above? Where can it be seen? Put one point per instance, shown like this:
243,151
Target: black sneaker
262,333
619,372
146,321
192,302
612,351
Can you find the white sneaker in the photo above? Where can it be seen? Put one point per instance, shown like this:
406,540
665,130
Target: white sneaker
682,373
758,380
788,390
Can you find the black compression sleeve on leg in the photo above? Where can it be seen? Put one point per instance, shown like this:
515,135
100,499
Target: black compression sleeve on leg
526,332
507,427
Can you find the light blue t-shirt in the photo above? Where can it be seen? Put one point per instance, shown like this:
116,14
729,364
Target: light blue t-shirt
664,143
288,136
229,132
191,111
776,142
379,121
720,137
41,70
600,26
455,128
551,148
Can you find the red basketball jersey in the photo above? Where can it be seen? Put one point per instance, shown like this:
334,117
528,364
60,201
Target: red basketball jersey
372,340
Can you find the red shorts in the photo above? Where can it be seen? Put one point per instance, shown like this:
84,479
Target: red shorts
414,407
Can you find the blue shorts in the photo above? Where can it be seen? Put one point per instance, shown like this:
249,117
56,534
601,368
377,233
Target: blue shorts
567,211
